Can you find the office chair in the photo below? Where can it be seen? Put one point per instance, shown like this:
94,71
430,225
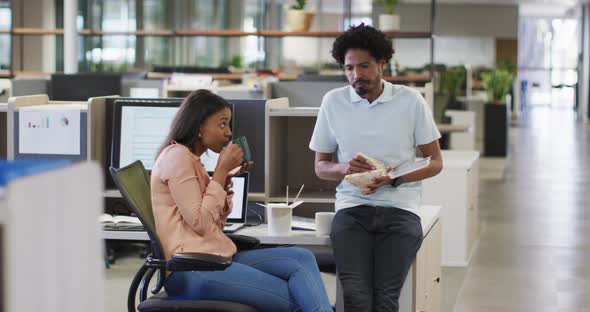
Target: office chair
134,184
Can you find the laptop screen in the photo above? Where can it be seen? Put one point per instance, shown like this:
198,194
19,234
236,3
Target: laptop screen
240,199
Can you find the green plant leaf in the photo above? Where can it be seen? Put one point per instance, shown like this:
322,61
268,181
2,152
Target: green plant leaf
497,83
300,5
389,6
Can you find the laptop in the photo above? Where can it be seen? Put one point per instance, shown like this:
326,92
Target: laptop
237,217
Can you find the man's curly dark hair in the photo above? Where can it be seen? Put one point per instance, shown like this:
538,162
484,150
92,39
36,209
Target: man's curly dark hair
363,37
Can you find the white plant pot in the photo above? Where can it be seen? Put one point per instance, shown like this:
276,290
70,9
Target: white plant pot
299,20
389,22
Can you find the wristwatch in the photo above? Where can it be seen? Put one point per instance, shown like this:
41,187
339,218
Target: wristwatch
397,181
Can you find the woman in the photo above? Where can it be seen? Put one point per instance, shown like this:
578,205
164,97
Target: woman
190,210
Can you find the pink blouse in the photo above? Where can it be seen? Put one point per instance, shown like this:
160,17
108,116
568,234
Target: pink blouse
189,208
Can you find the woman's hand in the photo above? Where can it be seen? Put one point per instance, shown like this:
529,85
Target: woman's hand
234,173
230,157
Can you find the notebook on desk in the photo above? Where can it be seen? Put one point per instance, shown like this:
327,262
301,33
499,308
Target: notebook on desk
237,217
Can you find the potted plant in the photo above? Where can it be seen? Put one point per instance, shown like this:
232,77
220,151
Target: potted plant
389,21
497,84
452,83
297,18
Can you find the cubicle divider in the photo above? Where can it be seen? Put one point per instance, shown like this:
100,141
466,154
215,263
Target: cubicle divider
303,93
142,88
5,90
249,121
3,130
29,86
50,248
91,128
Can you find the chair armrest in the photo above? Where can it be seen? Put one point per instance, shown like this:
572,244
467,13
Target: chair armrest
197,262
244,242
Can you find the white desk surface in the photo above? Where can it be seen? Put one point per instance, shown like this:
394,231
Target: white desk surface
459,159
3,107
429,216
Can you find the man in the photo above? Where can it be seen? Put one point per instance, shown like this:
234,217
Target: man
376,231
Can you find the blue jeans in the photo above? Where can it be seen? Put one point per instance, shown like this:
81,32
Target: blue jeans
272,279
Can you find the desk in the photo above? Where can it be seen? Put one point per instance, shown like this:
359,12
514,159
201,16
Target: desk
456,188
476,104
421,289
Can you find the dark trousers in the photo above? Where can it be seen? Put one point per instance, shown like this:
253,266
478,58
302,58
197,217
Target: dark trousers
373,250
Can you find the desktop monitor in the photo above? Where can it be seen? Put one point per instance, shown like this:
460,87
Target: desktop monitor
80,87
140,126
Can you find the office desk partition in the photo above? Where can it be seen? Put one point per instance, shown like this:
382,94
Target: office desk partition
3,130
50,248
92,127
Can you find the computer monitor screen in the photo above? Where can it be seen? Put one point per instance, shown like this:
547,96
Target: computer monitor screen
80,87
140,128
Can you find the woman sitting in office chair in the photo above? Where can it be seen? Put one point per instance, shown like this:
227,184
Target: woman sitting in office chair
190,210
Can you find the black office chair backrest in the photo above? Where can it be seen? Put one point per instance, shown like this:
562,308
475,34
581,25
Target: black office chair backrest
133,182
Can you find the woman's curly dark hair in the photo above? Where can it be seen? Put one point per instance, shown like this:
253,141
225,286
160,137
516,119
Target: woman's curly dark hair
363,37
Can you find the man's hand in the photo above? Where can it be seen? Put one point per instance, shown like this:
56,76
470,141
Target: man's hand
378,182
356,165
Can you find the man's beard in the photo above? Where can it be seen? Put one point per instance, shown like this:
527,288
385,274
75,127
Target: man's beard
361,89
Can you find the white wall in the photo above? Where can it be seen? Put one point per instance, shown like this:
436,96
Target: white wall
475,51
499,21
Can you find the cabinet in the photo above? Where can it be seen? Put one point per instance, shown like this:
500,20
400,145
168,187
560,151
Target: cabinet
456,188
427,272
288,159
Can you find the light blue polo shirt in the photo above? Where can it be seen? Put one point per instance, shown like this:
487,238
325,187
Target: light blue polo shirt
389,129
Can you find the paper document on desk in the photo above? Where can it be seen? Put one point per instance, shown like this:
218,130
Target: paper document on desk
409,167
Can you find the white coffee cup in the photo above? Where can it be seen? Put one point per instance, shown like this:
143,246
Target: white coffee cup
279,218
323,222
